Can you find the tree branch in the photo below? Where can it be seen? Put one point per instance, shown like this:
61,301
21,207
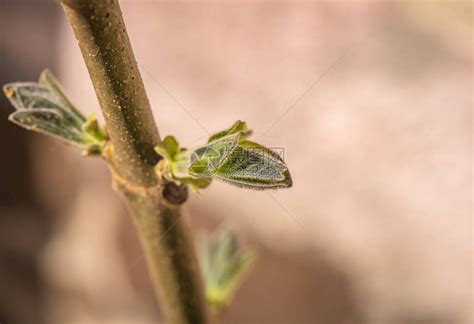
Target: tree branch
155,206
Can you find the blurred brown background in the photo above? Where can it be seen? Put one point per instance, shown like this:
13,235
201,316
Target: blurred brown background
372,103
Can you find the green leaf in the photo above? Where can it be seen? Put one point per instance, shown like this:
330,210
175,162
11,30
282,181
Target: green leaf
168,148
224,263
254,166
206,159
48,121
228,156
48,81
28,95
175,163
197,184
238,126
94,133
43,107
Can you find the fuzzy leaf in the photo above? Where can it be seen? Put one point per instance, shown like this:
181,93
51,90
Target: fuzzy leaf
48,81
43,107
254,166
48,121
228,156
28,95
206,159
238,126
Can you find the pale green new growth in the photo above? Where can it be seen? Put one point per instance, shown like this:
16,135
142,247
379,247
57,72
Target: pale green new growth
43,107
224,263
175,163
228,156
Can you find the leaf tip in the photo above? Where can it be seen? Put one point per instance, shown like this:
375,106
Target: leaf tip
47,78
288,181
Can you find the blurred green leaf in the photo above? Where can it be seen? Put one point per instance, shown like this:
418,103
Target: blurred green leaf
224,263
48,81
48,121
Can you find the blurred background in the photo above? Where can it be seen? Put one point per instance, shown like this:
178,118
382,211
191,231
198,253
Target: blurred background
372,104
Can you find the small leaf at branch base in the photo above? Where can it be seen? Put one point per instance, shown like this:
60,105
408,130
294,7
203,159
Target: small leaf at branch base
175,163
168,148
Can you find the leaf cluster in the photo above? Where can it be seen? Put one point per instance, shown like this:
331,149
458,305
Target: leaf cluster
229,156
43,107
